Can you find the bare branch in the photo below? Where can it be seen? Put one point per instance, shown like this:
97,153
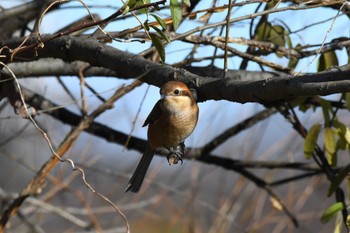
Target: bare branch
127,65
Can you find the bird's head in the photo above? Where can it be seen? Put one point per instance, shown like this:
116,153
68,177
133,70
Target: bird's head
176,96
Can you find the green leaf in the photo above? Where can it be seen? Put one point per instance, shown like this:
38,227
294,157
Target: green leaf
272,4
341,143
311,140
338,179
157,42
338,225
186,2
348,221
176,12
142,2
326,109
161,33
277,34
331,211
343,134
347,100
276,37
274,34
159,20
342,131
327,60
287,39
130,3
125,10
263,31
293,62
329,142
145,25
347,135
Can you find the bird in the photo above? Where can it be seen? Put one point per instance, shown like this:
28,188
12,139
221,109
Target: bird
172,119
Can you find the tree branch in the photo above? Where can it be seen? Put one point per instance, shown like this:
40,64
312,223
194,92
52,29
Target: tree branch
127,65
57,67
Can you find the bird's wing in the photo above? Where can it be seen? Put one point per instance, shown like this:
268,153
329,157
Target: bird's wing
154,115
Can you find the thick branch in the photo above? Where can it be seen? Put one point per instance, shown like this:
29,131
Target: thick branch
128,65
56,67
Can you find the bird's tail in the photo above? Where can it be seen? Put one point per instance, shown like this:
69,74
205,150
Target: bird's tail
136,180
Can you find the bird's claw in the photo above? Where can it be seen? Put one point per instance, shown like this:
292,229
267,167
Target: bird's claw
175,157
176,154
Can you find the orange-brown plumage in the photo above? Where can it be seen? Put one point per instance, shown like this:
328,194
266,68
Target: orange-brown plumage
171,121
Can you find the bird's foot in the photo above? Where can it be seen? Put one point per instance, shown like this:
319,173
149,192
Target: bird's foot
176,154
174,157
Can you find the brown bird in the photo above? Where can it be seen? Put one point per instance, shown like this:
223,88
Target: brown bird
171,121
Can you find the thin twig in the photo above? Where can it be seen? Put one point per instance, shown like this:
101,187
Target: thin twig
250,16
136,117
324,39
84,106
69,93
15,135
227,35
249,122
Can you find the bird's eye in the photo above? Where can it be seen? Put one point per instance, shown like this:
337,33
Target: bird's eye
176,92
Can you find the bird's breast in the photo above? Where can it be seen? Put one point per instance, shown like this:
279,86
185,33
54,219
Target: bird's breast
173,128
